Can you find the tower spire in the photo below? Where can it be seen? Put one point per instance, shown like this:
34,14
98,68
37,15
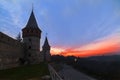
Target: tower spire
46,44
32,7
46,34
32,26
46,50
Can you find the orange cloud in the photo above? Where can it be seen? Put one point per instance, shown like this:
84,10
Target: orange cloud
99,47
56,51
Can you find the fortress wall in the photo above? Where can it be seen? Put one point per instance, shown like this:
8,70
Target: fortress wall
10,51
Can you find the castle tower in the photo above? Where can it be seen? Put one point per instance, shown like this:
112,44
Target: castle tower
46,50
31,37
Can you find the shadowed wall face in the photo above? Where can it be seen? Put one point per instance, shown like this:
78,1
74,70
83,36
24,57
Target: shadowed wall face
10,52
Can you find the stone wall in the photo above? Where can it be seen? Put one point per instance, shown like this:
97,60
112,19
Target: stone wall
11,51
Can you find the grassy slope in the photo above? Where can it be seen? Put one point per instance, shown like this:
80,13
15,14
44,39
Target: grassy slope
27,72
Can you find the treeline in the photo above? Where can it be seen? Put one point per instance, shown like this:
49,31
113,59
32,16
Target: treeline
99,67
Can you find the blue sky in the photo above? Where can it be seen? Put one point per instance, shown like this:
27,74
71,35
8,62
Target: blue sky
69,23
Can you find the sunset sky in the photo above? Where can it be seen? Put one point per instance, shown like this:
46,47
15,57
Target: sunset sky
75,27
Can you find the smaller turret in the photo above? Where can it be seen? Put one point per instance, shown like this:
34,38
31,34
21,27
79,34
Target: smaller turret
46,50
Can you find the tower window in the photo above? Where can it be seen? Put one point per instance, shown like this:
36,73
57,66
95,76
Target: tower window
29,55
27,30
30,39
36,31
29,47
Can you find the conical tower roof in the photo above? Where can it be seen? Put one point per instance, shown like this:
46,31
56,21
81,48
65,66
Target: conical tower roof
32,23
46,43
31,28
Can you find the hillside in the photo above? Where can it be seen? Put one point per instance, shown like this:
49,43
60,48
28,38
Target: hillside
28,72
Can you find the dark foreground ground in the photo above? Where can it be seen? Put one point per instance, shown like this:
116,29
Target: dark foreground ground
28,72
67,72
100,68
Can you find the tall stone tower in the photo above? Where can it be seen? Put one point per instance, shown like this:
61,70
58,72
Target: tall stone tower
31,37
46,50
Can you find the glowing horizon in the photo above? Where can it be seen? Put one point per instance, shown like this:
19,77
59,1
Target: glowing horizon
105,46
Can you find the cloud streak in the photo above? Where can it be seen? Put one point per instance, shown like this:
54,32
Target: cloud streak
14,10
